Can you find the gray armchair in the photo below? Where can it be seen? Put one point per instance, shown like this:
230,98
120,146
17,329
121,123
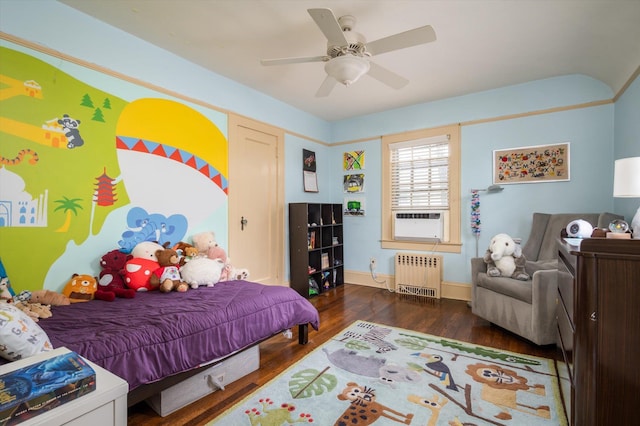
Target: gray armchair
528,308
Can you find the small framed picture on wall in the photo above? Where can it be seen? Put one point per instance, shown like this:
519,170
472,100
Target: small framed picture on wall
309,177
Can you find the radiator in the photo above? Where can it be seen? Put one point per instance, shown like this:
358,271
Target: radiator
418,274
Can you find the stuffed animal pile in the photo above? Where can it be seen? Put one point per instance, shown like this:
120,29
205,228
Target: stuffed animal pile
150,266
35,304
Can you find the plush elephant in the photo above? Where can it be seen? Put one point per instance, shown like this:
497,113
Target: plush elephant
504,258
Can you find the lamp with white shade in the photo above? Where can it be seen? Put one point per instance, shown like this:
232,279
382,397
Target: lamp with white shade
626,184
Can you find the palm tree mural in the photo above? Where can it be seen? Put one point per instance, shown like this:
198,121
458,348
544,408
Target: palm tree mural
67,206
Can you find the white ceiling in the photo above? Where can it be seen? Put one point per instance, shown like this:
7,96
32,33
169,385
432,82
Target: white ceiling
481,44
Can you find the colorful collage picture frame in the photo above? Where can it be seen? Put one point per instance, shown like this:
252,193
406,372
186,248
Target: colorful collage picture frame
353,183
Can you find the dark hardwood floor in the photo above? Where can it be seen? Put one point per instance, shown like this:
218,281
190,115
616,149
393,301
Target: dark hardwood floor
338,308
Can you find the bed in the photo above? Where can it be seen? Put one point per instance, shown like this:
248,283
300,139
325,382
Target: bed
158,339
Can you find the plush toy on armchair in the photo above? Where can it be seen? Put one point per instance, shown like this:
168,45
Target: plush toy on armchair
504,258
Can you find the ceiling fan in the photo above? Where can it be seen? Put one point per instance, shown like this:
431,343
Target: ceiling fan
348,53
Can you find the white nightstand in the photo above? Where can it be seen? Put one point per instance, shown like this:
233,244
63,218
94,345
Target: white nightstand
107,405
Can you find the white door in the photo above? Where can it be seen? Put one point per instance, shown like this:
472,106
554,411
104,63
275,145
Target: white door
256,199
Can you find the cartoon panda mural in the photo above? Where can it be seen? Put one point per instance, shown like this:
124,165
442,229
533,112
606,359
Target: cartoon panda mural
71,131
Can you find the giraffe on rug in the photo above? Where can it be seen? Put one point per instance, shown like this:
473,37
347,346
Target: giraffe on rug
364,409
434,404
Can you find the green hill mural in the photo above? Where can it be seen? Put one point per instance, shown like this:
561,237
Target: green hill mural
83,171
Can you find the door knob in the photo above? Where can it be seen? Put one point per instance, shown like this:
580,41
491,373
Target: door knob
243,222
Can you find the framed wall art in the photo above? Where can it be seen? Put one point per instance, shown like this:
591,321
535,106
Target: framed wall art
353,160
354,206
542,163
353,183
309,177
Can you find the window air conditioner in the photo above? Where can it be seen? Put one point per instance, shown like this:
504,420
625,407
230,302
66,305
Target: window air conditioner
418,225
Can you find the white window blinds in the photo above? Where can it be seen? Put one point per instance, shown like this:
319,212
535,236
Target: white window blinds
420,174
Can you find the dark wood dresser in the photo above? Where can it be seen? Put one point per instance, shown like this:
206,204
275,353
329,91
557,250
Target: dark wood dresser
599,330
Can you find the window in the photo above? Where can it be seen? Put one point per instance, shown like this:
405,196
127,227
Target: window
421,176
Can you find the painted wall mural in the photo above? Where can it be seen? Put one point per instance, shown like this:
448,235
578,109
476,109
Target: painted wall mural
83,171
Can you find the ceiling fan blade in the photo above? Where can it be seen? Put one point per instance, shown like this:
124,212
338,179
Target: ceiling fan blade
326,87
328,24
387,77
409,38
283,61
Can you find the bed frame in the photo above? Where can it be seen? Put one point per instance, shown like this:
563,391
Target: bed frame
144,392
156,340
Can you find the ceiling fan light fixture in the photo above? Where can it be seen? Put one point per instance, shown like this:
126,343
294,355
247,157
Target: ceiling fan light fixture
347,69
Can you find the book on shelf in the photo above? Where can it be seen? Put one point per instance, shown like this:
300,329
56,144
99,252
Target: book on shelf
37,388
324,260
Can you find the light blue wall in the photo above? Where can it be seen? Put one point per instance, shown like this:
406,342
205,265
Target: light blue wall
64,29
522,98
590,131
627,139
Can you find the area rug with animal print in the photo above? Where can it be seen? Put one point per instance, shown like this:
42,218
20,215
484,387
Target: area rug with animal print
376,374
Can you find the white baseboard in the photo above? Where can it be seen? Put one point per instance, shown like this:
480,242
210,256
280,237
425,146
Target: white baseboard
449,290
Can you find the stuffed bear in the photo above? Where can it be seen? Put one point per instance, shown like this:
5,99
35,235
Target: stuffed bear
138,269
186,252
504,258
112,276
167,276
205,242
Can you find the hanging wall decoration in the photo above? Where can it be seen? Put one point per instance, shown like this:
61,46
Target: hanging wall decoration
354,206
353,183
310,179
542,163
353,160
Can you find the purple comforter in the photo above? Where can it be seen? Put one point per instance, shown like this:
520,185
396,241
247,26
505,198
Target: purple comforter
155,335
